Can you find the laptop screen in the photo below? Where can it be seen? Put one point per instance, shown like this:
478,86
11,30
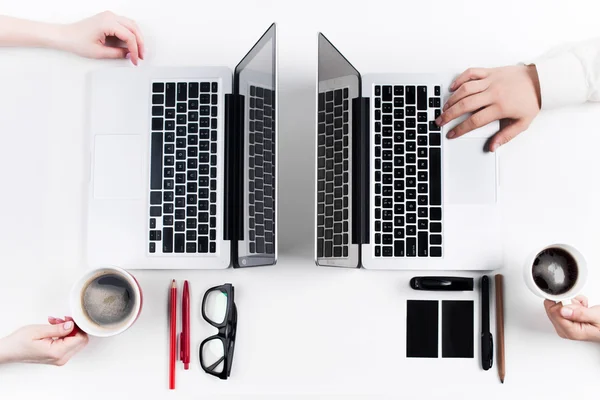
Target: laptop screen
332,64
255,80
339,83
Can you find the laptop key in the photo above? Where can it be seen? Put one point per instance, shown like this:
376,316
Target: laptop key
157,111
170,94
422,97
158,87
155,211
193,90
435,239
387,93
435,227
181,91
179,242
399,248
328,248
423,244
156,161
411,247
410,95
158,99
190,247
167,240
435,178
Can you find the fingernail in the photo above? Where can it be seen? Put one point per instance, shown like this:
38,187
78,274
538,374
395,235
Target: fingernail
566,312
445,107
494,147
68,325
438,121
452,86
128,56
450,135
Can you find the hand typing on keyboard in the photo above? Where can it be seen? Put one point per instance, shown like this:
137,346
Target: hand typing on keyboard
87,38
509,94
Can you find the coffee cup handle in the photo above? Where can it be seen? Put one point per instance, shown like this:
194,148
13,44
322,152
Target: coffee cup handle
566,302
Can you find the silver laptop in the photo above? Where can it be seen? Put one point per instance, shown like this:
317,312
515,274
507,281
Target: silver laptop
391,191
184,168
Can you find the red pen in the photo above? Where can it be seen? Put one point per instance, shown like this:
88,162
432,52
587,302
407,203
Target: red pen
184,341
173,335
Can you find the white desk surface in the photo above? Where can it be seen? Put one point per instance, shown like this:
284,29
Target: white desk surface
303,331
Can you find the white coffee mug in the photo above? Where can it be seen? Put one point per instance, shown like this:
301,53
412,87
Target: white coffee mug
576,288
80,315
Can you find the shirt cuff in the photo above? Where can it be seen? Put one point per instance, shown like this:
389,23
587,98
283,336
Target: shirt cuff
562,81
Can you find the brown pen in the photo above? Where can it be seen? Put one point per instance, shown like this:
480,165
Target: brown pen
499,279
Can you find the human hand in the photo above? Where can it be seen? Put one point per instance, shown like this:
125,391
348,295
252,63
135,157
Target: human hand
43,344
575,321
510,94
87,38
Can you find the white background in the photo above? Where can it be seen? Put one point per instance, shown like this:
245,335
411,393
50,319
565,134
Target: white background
303,331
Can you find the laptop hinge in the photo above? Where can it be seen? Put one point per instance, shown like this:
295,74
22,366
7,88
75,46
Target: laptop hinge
234,168
360,170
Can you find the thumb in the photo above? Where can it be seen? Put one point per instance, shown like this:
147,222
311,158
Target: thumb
50,331
111,52
507,134
581,314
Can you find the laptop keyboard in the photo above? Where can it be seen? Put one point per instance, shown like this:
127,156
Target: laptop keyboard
408,170
261,170
183,168
332,174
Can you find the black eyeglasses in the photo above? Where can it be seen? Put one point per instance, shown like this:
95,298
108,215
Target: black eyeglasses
219,310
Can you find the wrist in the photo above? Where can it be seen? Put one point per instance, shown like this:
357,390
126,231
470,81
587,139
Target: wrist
5,356
52,36
535,80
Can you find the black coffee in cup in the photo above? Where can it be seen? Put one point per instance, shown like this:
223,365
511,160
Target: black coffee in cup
108,300
555,271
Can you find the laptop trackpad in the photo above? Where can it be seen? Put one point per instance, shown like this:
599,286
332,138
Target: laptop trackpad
470,172
117,167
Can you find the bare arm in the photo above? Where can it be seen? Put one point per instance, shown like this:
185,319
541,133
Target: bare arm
23,33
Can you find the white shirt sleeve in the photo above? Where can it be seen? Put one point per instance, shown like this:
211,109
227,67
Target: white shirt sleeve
570,74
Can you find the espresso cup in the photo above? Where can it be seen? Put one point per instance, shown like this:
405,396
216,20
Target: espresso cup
106,301
557,272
